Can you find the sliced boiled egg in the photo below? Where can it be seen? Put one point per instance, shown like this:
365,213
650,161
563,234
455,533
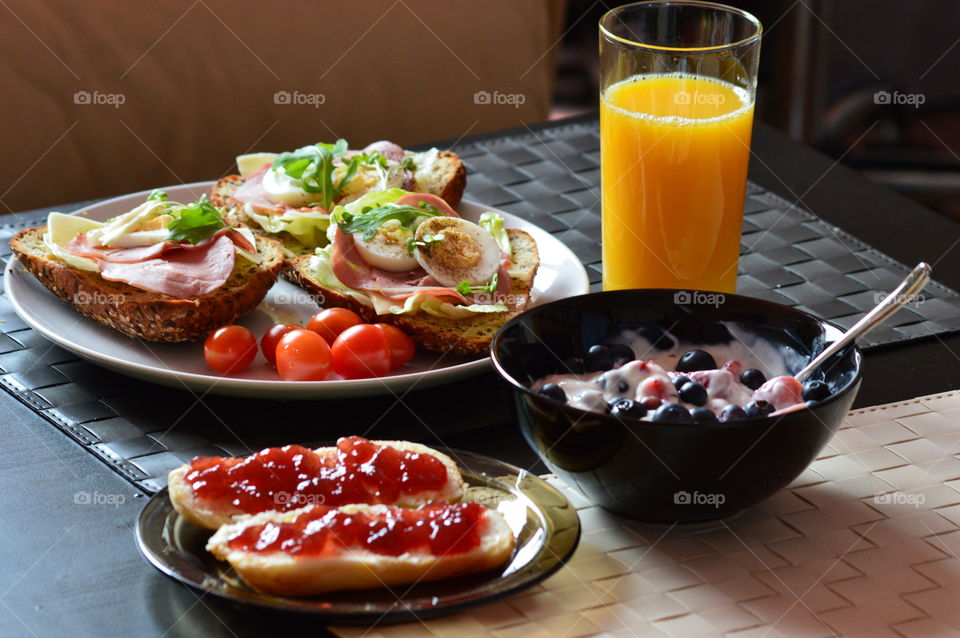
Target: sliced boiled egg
284,189
452,250
388,248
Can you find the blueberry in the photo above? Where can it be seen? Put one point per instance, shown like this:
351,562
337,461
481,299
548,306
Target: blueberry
574,365
693,393
598,358
703,415
622,353
651,403
679,381
752,378
553,391
672,413
732,412
758,408
627,408
815,390
693,360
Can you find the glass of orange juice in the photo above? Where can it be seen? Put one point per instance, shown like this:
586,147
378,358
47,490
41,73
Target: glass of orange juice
677,86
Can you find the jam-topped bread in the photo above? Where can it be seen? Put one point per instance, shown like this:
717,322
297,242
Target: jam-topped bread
319,549
213,491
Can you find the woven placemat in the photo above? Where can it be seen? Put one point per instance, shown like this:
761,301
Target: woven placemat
863,544
550,177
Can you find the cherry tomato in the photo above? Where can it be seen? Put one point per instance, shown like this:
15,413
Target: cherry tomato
230,349
270,339
303,355
331,322
361,352
401,346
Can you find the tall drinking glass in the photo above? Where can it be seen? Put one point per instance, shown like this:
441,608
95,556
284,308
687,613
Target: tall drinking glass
677,86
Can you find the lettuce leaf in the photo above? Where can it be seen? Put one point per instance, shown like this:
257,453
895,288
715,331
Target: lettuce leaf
493,224
309,228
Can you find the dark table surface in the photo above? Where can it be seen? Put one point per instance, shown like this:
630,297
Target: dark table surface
73,569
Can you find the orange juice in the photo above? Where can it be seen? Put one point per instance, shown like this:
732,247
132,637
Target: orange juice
674,153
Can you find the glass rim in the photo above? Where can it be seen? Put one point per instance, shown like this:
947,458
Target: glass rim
688,3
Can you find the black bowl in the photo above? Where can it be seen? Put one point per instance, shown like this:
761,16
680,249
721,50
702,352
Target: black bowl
658,471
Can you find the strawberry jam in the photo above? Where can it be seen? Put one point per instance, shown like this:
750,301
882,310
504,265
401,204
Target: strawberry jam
323,531
293,476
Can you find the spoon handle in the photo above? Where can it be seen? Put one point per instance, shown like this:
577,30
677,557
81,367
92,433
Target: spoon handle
903,294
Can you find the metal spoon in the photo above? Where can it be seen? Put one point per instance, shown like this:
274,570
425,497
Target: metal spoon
903,294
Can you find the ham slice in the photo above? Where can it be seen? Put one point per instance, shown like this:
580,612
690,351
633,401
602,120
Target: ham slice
414,199
184,272
180,270
81,247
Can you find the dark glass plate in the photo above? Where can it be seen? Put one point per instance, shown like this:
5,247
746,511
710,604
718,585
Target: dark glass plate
545,526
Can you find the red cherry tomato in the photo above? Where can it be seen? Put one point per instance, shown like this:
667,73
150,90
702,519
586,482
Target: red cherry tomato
303,355
331,322
270,339
401,346
230,349
361,352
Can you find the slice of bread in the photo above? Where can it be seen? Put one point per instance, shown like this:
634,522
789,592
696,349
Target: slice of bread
285,574
212,514
446,177
146,315
471,335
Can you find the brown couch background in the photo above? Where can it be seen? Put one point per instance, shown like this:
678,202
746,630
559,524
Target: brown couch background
105,97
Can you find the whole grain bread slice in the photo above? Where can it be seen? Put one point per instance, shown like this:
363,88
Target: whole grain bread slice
447,177
146,315
471,335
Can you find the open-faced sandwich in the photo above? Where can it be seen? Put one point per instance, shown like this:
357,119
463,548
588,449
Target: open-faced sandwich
409,259
364,514
289,196
164,271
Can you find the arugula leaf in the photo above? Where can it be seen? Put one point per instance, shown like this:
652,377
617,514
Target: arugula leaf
313,166
371,219
408,164
428,239
195,222
157,196
465,289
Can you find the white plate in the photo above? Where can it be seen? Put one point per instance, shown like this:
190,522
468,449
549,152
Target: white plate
181,365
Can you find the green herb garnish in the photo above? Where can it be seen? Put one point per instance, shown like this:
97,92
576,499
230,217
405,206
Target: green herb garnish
371,219
465,289
408,164
194,222
426,240
313,166
157,196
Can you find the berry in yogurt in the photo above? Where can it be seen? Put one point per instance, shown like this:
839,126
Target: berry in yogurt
682,384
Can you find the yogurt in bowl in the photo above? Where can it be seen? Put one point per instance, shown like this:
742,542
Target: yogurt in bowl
631,377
